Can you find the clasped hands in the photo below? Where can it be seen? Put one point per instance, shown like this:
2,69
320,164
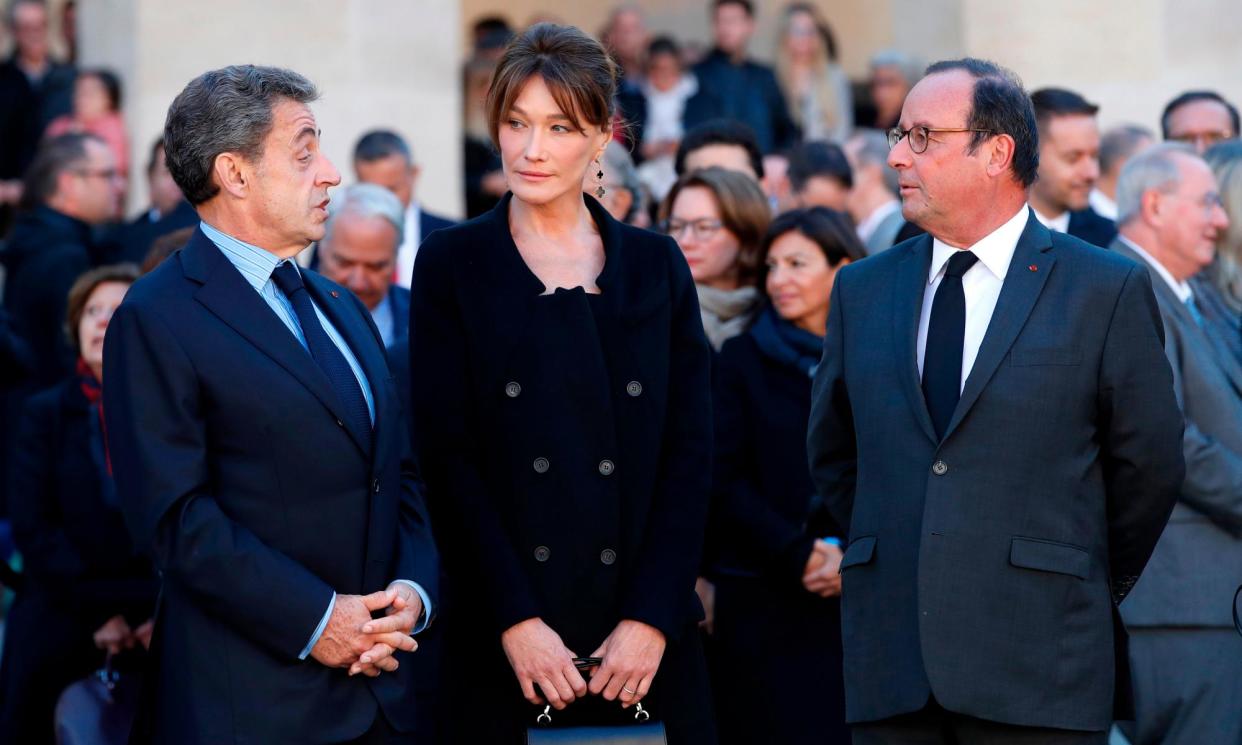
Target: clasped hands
822,575
353,639
631,656
116,636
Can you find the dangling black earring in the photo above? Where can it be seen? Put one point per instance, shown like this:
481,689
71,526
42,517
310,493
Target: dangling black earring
599,176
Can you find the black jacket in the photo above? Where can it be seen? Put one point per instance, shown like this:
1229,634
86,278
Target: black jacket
25,112
1091,227
747,93
566,440
131,241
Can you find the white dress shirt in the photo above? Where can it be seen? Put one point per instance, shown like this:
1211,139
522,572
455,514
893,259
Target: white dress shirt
409,243
1060,223
867,227
1179,287
1102,204
981,284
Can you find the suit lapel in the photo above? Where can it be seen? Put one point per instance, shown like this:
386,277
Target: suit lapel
908,293
1018,295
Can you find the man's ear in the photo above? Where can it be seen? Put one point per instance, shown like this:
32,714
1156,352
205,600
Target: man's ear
232,174
1001,155
1151,208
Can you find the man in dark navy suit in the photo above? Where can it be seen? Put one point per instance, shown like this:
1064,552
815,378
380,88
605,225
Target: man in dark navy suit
260,450
994,421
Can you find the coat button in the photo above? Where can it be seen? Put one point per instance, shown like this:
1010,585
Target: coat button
541,465
608,556
513,390
940,468
634,388
340,424
542,553
375,486
606,467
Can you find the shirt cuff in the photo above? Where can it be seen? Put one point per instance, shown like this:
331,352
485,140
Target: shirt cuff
323,624
425,618
831,541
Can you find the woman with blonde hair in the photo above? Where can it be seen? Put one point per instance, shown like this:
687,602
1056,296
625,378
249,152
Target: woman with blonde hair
816,87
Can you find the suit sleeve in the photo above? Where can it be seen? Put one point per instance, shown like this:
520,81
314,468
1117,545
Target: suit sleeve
1140,431
831,446
445,430
157,434
665,573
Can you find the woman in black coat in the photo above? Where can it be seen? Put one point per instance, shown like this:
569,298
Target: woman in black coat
777,620
562,413
85,590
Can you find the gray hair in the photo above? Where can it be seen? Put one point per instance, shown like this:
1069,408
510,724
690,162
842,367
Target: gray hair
1120,143
366,200
873,149
911,69
1225,159
1153,169
618,163
225,111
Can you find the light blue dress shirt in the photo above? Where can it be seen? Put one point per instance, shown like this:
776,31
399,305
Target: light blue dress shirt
382,315
256,266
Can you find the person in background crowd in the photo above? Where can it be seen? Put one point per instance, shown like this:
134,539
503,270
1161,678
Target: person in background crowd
623,193
34,90
485,180
1200,119
1187,658
1005,461
731,86
96,111
86,590
491,34
820,176
167,213
1225,158
893,74
718,218
165,246
721,143
1069,165
778,616
1117,145
815,85
359,251
382,157
625,36
571,486
872,202
69,30
667,87
72,185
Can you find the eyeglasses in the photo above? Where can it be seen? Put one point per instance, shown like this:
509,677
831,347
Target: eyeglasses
703,229
1202,140
919,136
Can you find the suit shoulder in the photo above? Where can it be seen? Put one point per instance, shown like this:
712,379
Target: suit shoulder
462,240
165,283
1096,262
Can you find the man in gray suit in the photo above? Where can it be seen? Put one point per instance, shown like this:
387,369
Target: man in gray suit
994,421
873,201
1186,657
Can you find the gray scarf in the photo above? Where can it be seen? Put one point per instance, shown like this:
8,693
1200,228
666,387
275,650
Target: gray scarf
726,313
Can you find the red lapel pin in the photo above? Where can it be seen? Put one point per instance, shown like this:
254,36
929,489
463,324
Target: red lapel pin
1032,267
337,294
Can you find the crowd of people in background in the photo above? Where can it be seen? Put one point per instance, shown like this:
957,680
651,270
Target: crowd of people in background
769,175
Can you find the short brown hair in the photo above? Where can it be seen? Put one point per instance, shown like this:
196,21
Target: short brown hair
82,288
577,70
744,211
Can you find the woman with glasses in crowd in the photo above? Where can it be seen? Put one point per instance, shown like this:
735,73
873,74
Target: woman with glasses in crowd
718,218
85,590
562,412
777,550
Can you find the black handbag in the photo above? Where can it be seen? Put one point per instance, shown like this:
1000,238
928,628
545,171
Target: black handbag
643,732
99,709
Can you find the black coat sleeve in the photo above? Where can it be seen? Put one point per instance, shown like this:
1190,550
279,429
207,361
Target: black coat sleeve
831,445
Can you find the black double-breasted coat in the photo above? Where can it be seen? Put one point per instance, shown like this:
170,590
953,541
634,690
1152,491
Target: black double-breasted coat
566,442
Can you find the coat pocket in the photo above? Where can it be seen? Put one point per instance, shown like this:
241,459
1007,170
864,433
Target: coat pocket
1049,556
860,551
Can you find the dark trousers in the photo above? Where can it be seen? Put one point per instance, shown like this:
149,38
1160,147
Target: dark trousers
933,725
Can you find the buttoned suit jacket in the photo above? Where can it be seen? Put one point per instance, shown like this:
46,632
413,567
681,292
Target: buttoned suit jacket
236,465
982,566
1198,562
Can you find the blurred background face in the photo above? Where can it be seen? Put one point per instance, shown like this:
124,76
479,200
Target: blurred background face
361,255
664,71
544,156
628,35
393,173
1201,124
888,90
710,248
732,28
30,30
799,281
1069,161
90,98
165,194
92,189
103,301
728,157
802,40
1191,220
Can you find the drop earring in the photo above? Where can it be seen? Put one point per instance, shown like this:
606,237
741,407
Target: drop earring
599,176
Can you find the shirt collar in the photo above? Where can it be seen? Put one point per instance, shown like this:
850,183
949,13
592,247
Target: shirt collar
255,264
1060,223
1180,288
994,250
878,215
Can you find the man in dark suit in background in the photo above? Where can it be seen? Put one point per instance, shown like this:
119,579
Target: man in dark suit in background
1187,657
258,447
382,157
359,252
994,421
167,213
1069,166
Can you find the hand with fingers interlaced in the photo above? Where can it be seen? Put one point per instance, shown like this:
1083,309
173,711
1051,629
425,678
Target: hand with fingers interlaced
344,643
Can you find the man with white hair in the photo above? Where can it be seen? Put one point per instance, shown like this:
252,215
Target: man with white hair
1187,660
359,251
872,202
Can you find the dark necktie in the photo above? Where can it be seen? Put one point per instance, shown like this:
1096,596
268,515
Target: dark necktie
325,352
942,357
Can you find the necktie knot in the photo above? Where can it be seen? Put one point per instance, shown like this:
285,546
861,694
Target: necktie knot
287,278
960,263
